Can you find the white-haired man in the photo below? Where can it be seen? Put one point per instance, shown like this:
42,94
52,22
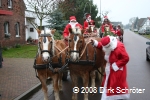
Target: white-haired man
114,84
73,23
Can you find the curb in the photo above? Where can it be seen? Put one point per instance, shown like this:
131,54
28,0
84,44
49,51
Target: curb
29,92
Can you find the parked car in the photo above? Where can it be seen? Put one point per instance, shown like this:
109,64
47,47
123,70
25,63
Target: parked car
141,31
148,51
147,31
135,30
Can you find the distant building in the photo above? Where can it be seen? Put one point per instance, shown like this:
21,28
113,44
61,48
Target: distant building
12,23
141,22
117,23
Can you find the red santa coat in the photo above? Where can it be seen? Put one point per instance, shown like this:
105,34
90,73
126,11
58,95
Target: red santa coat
110,27
66,30
115,72
86,25
118,32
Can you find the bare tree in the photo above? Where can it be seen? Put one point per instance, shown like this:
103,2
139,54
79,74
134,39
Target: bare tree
41,8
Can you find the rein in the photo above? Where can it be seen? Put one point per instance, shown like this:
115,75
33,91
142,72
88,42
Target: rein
84,50
60,50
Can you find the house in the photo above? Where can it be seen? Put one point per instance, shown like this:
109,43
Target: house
30,29
145,24
12,23
141,22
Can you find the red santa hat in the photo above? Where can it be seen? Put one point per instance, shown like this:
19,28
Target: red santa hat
88,15
72,18
105,17
105,41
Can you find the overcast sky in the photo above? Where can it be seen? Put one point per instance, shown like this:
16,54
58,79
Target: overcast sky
123,10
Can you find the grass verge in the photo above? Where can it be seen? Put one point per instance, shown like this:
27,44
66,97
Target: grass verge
24,51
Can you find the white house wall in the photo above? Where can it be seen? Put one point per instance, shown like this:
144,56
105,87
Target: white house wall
146,24
30,14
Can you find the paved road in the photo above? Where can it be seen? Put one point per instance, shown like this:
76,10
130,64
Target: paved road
138,72
16,77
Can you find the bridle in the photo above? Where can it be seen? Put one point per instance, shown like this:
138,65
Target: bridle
77,51
44,40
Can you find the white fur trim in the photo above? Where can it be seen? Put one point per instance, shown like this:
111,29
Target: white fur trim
115,67
73,20
107,71
107,57
73,24
116,97
112,45
95,43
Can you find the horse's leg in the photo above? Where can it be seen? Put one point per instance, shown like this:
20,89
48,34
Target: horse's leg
99,75
44,86
74,79
55,86
93,77
60,81
85,79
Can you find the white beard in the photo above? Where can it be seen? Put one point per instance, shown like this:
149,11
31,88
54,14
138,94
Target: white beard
113,45
88,20
73,24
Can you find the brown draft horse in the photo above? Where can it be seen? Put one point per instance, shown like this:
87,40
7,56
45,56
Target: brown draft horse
92,34
82,59
50,57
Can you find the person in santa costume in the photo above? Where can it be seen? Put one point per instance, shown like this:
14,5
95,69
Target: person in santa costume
114,84
87,21
119,31
106,22
73,23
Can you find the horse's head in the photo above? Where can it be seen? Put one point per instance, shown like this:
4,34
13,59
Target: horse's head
107,28
46,44
76,43
91,29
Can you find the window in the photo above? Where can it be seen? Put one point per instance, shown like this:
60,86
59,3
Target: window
17,29
31,29
9,3
0,3
6,29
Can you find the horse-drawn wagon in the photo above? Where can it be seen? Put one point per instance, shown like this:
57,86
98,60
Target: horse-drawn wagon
54,58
